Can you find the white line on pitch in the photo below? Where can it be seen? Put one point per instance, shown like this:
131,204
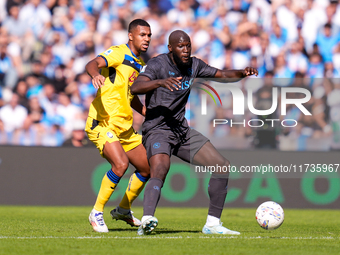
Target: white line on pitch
171,237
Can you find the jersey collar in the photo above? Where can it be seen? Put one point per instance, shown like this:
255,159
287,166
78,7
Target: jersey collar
131,51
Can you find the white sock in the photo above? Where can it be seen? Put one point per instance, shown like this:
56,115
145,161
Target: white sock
123,211
212,221
145,217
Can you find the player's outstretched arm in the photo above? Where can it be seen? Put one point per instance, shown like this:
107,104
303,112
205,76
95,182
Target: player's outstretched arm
92,69
235,75
138,106
144,84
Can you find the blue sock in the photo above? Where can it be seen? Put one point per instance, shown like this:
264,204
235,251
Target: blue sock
141,178
112,176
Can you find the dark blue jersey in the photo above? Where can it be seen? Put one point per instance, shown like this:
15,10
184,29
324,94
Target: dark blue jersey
165,108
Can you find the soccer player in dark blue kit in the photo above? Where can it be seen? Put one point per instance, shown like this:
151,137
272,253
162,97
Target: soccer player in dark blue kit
166,80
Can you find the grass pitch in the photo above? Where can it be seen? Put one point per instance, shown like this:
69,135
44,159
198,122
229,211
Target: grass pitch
65,230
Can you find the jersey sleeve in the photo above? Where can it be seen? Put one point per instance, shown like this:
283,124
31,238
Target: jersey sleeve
204,70
151,69
113,56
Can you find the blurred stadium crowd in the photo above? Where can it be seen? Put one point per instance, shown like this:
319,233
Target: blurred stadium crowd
45,92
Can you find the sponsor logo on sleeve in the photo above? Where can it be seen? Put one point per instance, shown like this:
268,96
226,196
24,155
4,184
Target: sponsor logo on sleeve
106,53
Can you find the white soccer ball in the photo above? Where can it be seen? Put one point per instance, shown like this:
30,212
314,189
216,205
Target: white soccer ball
269,215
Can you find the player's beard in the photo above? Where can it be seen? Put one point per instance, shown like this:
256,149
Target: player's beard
180,64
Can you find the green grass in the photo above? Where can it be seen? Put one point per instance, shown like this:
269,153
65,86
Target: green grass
65,230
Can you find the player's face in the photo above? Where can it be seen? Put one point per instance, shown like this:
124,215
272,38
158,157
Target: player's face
182,51
140,37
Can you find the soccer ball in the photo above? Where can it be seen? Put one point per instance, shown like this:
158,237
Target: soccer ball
269,215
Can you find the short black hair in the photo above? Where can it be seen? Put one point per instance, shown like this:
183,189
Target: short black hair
137,22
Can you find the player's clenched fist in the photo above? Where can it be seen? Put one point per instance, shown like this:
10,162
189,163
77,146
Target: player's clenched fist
250,71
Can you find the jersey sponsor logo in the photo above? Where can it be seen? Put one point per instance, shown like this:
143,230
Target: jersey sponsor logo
186,84
109,134
133,77
143,69
156,145
106,53
171,73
